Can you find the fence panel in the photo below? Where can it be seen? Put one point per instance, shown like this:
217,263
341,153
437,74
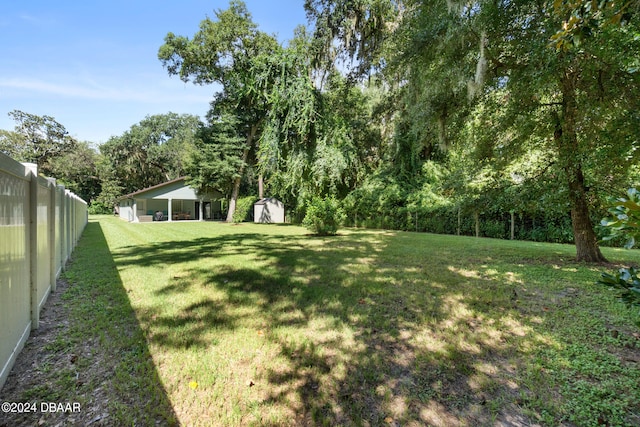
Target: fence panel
40,245
15,296
40,223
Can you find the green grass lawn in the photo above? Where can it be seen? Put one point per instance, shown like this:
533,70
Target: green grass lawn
218,324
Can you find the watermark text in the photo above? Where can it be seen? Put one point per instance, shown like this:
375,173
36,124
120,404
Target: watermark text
40,407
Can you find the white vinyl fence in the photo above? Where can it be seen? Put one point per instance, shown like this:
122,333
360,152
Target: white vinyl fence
40,224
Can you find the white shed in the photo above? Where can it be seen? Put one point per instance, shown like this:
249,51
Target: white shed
268,211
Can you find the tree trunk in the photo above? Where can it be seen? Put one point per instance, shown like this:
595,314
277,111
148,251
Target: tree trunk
586,242
236,184
567,141
477,218
260,187
236,191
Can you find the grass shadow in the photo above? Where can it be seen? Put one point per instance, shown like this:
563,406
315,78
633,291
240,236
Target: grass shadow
365,328
97,356
384,373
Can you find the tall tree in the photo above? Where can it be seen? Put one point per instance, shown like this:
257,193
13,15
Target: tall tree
217,158
566,100
230,51
77,171
490,73
319,136
152,151
36,139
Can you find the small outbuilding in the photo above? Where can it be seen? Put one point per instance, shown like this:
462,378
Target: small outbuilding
268,211
170,201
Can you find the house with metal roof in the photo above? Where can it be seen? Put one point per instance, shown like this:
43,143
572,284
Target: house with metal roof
170,201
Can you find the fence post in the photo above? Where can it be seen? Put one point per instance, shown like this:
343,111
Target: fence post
51,228
33,244
67,227
61,227
513,225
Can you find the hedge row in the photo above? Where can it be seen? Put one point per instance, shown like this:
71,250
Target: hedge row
542,227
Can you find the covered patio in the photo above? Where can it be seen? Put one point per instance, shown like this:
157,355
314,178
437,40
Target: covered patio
170,201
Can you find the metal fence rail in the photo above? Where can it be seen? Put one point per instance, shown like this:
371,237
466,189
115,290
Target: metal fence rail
40,224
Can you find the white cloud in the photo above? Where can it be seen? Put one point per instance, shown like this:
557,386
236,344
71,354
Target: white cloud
29,18
94,91
36,20
93,108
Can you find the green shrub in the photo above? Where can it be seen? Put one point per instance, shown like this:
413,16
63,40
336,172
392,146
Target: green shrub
626,282
624,224
98,208
626,218
324,216
494,228
243,208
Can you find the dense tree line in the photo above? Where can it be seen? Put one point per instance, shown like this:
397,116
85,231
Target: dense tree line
444,116
531,105
46,143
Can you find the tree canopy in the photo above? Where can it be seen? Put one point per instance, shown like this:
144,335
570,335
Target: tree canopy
36,139
151,152
512,92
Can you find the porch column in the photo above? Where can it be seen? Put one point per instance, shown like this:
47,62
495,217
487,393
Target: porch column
169,213
201,209
135,211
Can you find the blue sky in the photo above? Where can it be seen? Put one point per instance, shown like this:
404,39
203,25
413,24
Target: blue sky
93,66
